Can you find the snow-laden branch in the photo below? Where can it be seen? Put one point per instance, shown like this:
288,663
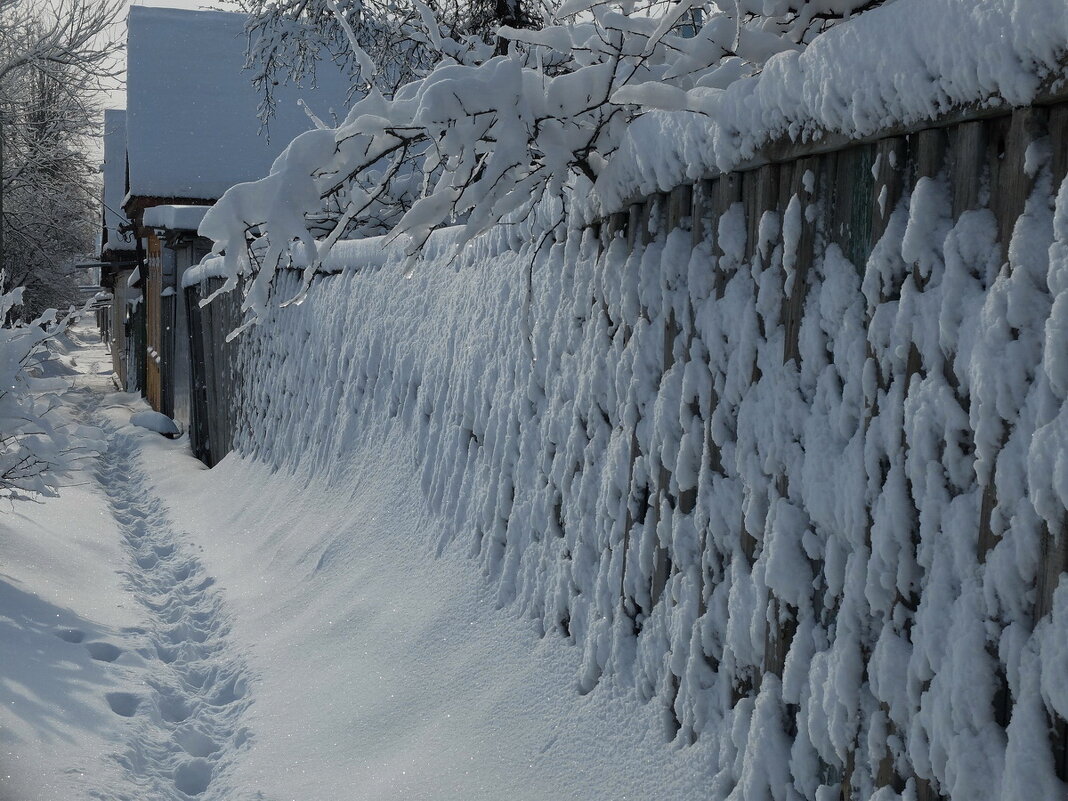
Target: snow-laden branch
490,132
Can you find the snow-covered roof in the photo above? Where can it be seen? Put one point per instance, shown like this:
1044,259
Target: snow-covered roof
175,218
115,181
192,121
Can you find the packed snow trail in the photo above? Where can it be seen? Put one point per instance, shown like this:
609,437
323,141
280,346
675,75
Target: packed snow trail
186,725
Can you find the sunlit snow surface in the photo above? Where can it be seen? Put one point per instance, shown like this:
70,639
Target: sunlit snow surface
894,65
246,634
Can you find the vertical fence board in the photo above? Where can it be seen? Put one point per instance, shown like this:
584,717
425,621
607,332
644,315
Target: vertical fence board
1055,550
968,147
1058,133
891,159
805,172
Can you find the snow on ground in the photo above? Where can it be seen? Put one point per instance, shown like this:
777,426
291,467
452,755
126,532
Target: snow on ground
69,632
241,633
383,672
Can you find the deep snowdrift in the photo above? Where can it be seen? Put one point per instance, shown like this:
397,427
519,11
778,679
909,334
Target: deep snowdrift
383,668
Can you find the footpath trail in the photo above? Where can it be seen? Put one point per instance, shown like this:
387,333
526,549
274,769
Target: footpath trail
186,724
174,685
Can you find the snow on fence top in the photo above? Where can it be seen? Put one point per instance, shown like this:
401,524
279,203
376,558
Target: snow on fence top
896,65
347,255
192,117
115,180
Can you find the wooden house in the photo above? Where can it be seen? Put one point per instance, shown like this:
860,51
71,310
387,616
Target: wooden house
173,247
118,250
192,132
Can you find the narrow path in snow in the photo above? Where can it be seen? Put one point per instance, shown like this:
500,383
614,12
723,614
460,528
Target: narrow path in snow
186,723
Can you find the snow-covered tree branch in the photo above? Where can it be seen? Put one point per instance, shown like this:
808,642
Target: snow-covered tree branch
55,57
490,132
36,445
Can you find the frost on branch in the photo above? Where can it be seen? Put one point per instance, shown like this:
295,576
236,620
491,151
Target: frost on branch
488,131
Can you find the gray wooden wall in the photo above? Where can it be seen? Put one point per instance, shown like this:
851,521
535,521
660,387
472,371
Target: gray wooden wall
215,377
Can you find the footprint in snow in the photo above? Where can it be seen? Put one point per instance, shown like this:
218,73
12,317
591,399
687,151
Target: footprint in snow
123,704
103,651
70,635
198,686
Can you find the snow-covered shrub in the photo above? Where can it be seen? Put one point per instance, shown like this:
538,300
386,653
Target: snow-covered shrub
36,443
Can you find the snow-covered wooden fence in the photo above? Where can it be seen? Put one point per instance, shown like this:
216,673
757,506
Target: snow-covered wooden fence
975,173
215,379
783,449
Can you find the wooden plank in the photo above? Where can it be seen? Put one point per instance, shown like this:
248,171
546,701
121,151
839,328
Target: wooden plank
783,186
967,165
859,223
759,194
613,226
929,152
1007,145
1053,565
1012,183
891,162
151,293
652,217
726,192
997,136
634,217
1057,126
751,191
676,206
226,375
805,174
679,205
841,199
195,371
700,205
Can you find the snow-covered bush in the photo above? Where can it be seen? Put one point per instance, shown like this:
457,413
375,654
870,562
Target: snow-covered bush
36,443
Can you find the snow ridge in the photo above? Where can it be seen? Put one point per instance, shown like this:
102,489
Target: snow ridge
900,64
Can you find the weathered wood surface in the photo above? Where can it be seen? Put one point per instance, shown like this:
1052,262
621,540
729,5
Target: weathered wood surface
153,289
215,375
